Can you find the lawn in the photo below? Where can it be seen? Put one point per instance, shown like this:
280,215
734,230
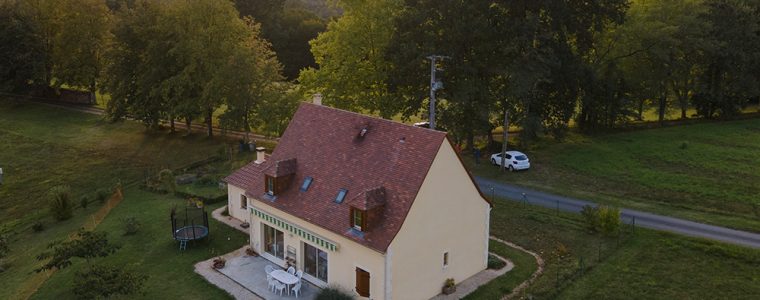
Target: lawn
642,264
44,146
707,172
525,265
153,252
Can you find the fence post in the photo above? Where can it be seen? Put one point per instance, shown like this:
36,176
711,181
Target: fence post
633,225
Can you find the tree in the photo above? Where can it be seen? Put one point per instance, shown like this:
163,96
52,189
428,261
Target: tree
87,245
726,81
289,26
80,42
353,70
274,113
247,80
98,282
22,48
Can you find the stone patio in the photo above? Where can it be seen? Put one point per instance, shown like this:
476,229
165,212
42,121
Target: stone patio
248,271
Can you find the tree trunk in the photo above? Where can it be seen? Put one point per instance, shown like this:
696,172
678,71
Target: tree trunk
188,121
489,137
505,137
641,110
171,124
683,113
209,116
663,103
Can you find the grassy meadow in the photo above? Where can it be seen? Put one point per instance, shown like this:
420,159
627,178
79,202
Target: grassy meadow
707,172
44,146
641,264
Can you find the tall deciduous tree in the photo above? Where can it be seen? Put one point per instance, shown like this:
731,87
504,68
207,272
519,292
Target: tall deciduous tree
80,43
23,58
353,70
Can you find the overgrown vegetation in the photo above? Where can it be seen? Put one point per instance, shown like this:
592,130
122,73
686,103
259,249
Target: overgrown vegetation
102,282
60,202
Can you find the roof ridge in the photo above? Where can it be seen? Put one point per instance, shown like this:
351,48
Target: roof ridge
374,117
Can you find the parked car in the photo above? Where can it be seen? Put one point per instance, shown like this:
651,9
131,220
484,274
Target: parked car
515,160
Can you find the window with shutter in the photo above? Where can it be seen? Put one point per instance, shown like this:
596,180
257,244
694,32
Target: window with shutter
362,282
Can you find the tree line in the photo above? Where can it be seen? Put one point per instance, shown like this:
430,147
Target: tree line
599,64
158,60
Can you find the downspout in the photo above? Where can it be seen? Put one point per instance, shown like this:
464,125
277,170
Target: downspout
388,257
488,230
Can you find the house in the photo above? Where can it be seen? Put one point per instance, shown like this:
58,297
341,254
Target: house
382,209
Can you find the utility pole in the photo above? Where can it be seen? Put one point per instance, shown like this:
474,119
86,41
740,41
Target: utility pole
434,86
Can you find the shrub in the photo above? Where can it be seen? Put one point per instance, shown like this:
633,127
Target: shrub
100,282
609,220
590,215
684,145
495,263
102,195
60,202
333,293
602,219
38,226
83,201
207,179
449,283
166,177
131,226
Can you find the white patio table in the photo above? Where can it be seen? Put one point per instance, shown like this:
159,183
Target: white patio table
284,277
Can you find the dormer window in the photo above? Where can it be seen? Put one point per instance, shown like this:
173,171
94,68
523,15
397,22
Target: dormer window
358,219
270,185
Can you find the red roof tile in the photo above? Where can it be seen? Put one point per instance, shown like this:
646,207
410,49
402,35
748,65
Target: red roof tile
328,146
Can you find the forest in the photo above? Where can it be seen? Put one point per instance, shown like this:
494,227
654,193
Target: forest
547,65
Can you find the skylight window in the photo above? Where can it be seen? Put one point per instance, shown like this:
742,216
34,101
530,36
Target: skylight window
306,183
341,196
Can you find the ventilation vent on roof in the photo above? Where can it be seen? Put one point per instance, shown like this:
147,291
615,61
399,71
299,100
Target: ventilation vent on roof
306,183
363,132
341,196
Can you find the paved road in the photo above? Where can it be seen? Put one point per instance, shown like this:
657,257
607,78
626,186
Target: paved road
642,219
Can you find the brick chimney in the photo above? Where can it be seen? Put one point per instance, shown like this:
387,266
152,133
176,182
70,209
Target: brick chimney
317,99
260,155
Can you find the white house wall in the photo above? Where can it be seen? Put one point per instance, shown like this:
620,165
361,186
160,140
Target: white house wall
233,204
448,215
342,263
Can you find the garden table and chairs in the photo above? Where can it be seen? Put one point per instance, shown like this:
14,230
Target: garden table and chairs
280,279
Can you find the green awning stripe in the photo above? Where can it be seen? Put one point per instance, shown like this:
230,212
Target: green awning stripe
303,233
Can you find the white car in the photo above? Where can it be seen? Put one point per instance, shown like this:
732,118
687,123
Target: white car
516,160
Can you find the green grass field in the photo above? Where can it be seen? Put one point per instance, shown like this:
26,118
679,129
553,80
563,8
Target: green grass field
708,172
44,146
642,264
153,252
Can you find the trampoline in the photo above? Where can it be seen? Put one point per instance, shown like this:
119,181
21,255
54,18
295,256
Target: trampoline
189,225
190,233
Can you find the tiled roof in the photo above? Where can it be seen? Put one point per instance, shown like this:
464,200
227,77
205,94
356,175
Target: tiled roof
369,199
329,147
282,168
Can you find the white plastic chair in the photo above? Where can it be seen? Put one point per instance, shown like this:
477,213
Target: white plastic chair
271,282
291,270
268,269
299,274
297,288
279,286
